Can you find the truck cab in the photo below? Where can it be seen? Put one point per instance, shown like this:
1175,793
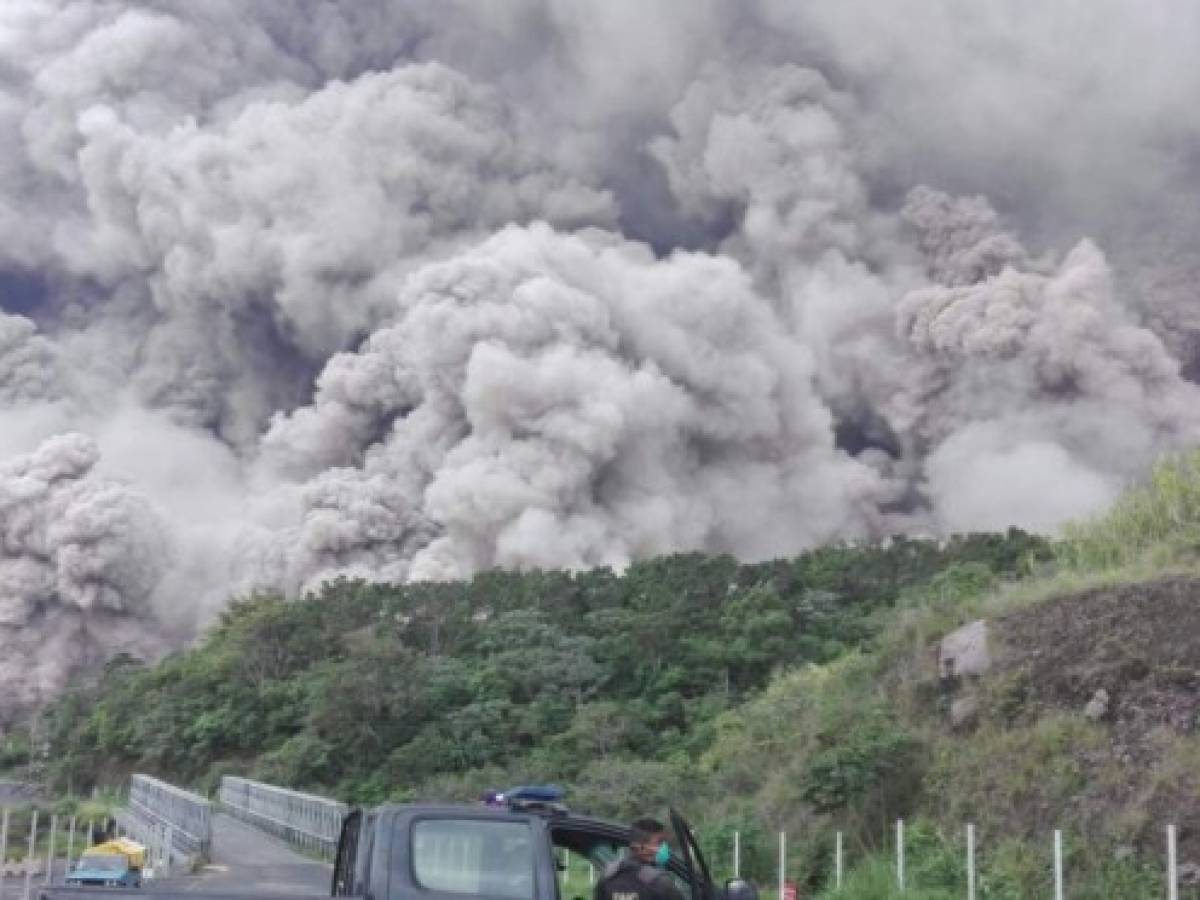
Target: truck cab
514,851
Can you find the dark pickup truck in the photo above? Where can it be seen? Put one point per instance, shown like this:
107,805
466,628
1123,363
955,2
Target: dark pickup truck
458,852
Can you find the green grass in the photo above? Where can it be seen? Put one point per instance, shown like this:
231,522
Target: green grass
875,879
1013,870
1159,519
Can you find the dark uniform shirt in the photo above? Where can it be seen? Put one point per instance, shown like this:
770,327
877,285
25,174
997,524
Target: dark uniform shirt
628,879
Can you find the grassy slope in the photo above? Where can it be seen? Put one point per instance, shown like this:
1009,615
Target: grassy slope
867,737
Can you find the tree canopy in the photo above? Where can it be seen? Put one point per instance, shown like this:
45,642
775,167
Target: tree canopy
610,682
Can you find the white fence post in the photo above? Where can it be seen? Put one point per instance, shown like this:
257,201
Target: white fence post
50,852
29,860
837,861
3,848
1058,865
737,854
1172,868
3,851
900,853
70,848
782,865
970,861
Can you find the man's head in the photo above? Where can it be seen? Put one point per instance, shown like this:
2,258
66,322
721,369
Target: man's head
648,835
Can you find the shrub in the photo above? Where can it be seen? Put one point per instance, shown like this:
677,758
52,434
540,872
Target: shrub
859,759
1162,512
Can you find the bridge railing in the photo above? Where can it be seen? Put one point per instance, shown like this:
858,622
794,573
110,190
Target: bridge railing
157,806
305,820
162,850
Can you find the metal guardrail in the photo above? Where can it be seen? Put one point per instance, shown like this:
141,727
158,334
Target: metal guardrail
188,816
158,839
305,820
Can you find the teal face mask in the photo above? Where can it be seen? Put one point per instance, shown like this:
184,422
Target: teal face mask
663,856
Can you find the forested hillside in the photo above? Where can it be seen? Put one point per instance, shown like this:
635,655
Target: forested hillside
611,683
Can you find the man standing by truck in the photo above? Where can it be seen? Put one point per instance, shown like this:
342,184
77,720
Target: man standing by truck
642,874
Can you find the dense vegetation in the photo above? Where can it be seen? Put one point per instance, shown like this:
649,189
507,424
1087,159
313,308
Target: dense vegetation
612,683
797,695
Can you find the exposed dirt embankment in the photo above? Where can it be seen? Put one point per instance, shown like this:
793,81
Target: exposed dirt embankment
1127,656
1124,664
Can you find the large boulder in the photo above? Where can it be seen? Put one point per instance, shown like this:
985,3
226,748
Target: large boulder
964,651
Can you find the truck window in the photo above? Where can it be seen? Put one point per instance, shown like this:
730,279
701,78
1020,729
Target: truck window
473,857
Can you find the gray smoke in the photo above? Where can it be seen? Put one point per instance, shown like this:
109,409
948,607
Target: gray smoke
28,363
80,558
1035,395
284,233
297,288
556,400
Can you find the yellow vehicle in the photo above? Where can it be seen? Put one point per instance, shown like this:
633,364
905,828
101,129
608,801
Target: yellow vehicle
116,863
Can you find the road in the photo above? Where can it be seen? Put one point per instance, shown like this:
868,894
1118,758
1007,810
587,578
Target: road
246,860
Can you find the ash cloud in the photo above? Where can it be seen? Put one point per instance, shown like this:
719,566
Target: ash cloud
28,363
80,557
556,400
409,290
1036,395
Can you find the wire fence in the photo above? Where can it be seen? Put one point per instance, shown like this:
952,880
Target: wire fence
50,850
1054,860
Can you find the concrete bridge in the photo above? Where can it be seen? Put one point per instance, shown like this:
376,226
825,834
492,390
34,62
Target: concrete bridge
254,838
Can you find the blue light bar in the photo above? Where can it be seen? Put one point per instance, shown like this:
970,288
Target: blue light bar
536,793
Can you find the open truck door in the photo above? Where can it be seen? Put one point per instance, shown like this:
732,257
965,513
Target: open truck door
693,859
703,887
347,854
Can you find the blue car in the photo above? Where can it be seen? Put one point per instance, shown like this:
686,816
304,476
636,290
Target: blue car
105,870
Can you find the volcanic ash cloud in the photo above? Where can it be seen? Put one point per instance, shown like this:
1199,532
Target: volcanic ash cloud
1034,397
410,290
566,400
80,559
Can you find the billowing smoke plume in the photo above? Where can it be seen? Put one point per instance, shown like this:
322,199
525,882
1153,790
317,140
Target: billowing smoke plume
410,290
80,559
1032,392
551,400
